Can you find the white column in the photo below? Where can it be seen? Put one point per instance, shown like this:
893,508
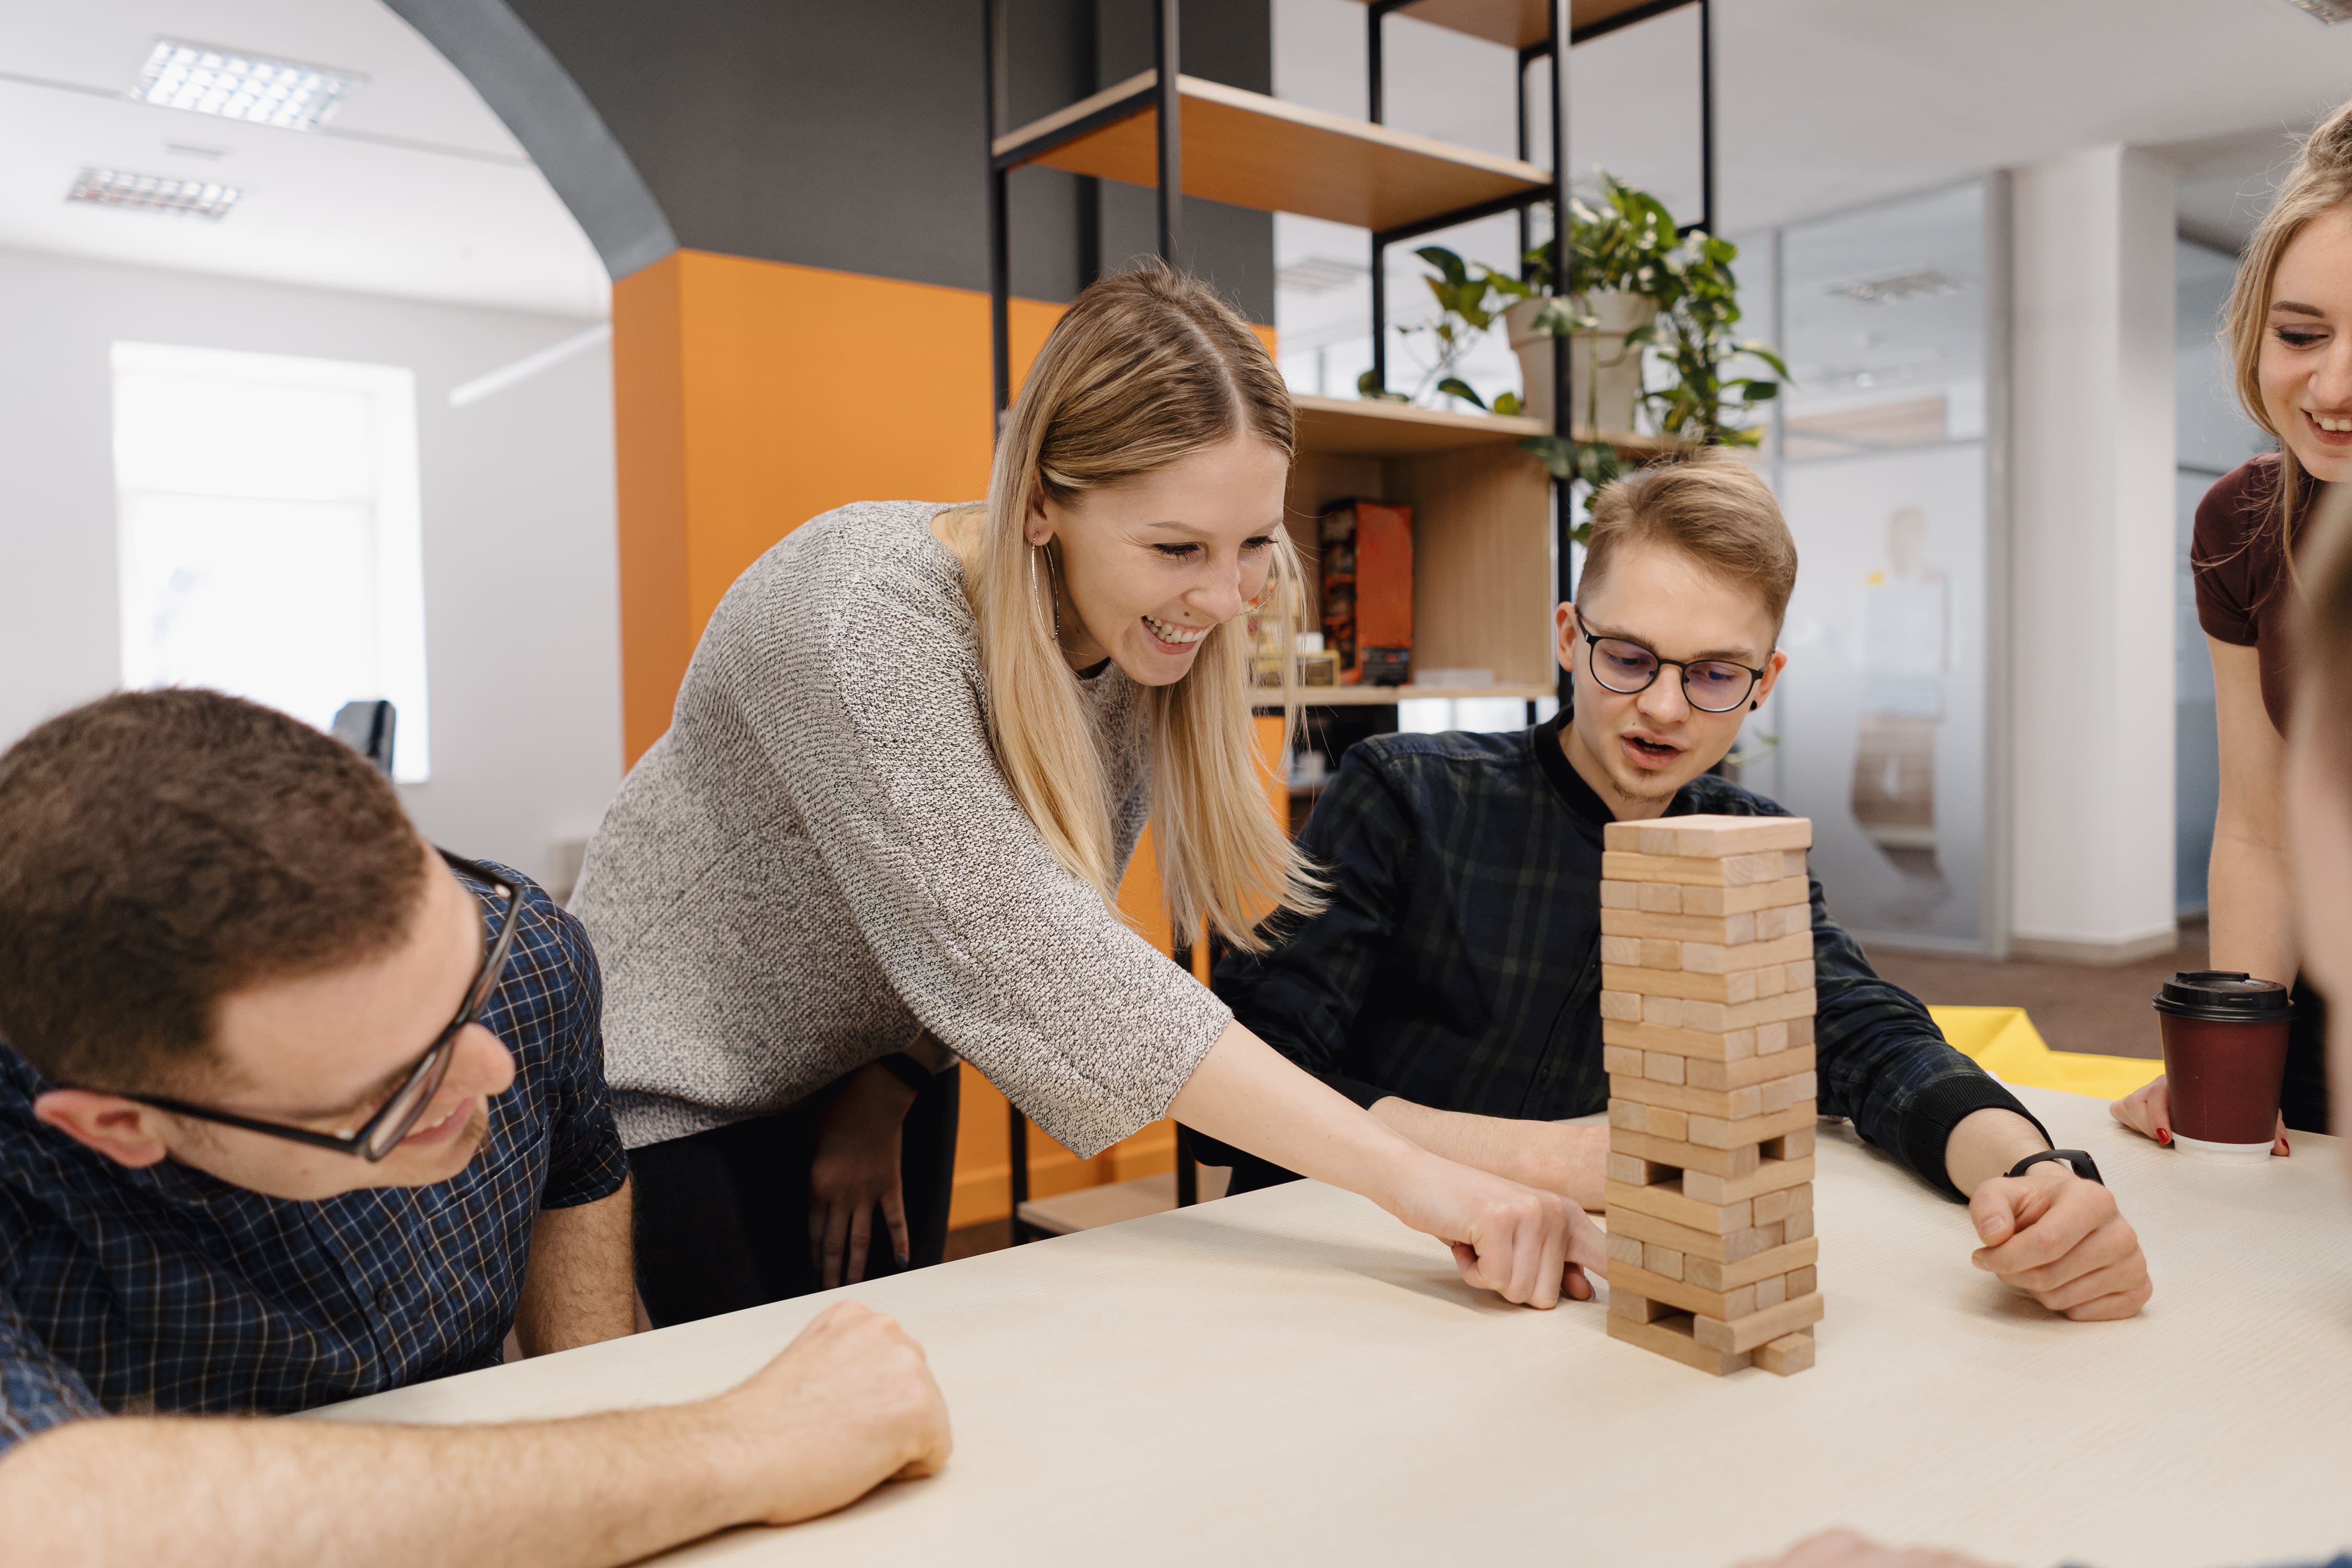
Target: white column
2090,575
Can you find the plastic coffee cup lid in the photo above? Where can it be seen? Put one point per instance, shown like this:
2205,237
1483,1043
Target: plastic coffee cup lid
2224,996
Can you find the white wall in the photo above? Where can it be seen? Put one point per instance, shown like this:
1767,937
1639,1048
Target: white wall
2092,567
521,594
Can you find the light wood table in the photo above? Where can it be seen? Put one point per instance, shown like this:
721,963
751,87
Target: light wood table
1292,1376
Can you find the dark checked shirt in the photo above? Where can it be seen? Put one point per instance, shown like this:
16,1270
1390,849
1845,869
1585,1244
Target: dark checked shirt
167,1291
1459,963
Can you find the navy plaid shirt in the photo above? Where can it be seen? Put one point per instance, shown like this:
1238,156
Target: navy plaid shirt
1458,966
166,1290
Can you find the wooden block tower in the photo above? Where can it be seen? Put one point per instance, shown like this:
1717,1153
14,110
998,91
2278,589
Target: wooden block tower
1706,1009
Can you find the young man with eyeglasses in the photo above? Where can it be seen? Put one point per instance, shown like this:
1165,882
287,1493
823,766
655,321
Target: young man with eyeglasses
295,1109
1453,985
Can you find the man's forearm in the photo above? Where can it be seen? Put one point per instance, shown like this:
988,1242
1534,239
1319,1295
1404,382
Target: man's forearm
1570,1160
578,1288
600,1490
1985,1144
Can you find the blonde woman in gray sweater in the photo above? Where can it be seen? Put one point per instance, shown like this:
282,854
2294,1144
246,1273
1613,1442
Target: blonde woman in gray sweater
885,829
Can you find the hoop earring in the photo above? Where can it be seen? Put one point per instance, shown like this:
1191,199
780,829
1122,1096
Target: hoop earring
1053,600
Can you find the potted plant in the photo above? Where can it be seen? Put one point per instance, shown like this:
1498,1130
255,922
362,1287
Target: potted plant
1617,282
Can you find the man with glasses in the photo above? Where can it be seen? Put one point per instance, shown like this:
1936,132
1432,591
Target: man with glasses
1453,985
295,1109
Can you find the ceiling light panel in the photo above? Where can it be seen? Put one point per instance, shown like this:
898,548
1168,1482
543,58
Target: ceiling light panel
1923,283
154,193
237,84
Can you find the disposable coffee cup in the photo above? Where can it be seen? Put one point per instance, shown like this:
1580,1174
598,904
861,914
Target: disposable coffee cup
2224,1055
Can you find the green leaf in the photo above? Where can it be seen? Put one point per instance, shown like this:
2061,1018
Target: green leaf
1760,391
1507,403
1446,262
1455,386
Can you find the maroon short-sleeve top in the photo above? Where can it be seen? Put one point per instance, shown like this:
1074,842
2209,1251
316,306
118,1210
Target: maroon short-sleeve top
2243,588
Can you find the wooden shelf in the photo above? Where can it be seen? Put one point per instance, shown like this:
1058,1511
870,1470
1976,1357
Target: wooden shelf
1247,150
1381,695
1516,24
1374,428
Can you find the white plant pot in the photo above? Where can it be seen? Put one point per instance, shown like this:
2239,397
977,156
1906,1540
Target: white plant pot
1617,391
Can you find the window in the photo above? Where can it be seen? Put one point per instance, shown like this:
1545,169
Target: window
268,509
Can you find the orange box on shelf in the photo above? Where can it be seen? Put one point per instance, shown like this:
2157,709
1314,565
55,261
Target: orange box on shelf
1367,549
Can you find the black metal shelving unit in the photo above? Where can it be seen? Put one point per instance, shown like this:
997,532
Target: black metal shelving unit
1162,95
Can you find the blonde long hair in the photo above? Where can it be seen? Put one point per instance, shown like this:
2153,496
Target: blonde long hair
1147,367
2322,180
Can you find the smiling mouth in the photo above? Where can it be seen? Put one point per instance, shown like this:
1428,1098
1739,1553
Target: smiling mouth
439,1131
1179,638
2338,425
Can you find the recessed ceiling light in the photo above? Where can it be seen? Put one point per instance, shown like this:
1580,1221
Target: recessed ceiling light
237,84
1896,288
154,193
1320,275
2328,11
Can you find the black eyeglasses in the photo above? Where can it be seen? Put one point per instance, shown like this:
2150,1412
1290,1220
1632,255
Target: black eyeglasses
382,1133
1709,685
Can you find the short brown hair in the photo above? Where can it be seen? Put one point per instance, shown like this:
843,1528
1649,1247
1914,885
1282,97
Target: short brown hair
160,850
1709,505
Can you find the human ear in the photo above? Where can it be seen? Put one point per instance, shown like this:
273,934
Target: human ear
1772,668
1564,627
1037,527
122,1129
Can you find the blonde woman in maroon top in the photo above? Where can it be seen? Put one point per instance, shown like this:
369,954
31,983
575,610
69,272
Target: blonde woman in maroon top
2290,332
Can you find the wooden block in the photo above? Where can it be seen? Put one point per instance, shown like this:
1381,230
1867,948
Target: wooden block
1725,1103
1632,1307
1696,871
1805,1282
1722,931
1657,952
1709,834
1716,1133
1801,1031
1801,975
1737,986
1724,1046
1716,1017
1800,1199
1750,1329
1741,901
1627,1059
1774,1234
1771,1290
1622,1006
1624,1250
1629,1114
1634,1170
1772,1038
1660,1260
1710,958
1666,1011
1665,1121
1788,1353
1621,949
1662,899
1798,1225
1700,1249
1671,1337
1769,1176
1724,1306
1785,919
1776,1204
1724,1274
1660,1066
1772,981
1783,1092
1665,1200
1755,1069
1685,1156
1796,1144
1618,896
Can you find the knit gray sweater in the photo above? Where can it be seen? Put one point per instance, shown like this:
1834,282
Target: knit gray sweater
821,855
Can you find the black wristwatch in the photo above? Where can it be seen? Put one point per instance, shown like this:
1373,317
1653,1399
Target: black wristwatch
918,1077
2075,1157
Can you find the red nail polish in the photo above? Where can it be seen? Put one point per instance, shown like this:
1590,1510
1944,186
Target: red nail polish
2164,1136
2286,1147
